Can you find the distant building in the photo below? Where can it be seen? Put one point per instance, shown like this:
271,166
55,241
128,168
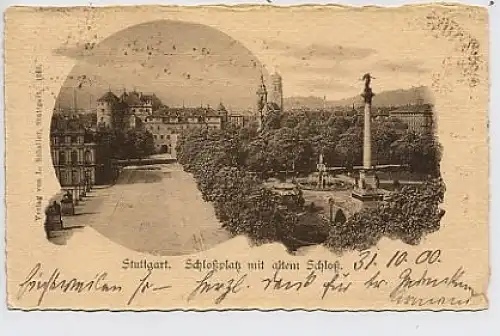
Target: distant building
132,110
239,120
419,118
107,107
73,152
167,124
138,104
129,110
273,102
276,94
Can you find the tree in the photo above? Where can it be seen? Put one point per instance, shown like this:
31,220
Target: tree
258,158
288,150
384,133
421,152
350,147
272,120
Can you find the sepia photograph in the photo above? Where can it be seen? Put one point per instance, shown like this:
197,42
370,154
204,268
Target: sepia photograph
248,157
171,137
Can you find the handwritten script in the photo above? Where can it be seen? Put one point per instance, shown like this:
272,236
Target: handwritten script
402,279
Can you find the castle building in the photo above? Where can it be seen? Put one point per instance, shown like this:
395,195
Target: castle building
138,104
127,111
136,110
73,152
167,124
107,106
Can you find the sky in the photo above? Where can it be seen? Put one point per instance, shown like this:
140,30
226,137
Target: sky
220,58
182,63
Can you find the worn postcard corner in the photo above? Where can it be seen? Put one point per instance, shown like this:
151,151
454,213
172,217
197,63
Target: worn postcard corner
214,158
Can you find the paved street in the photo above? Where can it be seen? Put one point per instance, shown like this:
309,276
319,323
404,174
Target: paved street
155,209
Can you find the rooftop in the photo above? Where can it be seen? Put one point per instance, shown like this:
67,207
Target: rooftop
67,124
109,97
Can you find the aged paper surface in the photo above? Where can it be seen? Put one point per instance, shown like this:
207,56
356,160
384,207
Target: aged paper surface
310,157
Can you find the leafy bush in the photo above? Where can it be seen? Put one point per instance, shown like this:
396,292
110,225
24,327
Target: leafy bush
408,215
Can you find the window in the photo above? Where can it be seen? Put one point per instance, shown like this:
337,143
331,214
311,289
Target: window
75,178
168,136
63,178
161,136
62,158
88,156
155,136
74,157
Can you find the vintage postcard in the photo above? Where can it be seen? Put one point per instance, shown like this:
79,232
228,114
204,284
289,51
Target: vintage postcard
249,157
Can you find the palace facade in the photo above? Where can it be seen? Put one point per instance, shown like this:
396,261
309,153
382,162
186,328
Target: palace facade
419,117
73,152
166,124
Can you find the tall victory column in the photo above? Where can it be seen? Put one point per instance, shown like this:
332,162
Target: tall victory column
367,189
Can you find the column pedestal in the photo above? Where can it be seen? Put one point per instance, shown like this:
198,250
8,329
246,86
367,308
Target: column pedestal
367,190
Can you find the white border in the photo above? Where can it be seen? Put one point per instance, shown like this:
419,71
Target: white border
483,323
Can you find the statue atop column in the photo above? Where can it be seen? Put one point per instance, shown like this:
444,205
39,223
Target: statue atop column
367,93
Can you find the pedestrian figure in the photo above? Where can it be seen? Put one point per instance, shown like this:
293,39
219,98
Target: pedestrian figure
68,196
57,208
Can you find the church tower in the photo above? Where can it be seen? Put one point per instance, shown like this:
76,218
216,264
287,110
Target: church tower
261,101
276,96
